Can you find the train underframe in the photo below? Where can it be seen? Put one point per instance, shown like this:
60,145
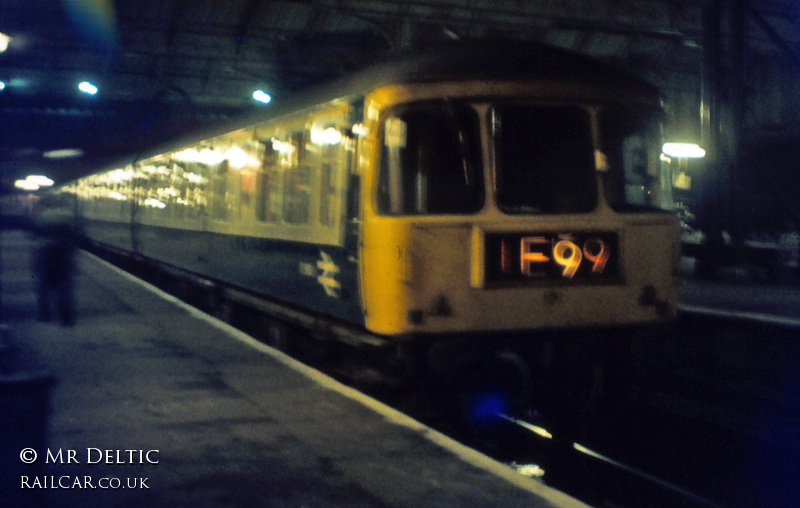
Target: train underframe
559,371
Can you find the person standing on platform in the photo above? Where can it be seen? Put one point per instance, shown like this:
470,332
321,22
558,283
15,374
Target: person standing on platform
54,261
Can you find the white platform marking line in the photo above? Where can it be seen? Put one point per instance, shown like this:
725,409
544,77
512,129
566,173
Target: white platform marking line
752,316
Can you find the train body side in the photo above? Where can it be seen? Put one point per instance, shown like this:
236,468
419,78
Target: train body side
272,222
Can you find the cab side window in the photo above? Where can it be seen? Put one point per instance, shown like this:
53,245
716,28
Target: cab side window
430,162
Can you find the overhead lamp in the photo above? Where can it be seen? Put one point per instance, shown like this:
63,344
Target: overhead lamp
33,182
4,41
63,153
686,150
18,83
87,88
26,185
2,85
40,180
262,96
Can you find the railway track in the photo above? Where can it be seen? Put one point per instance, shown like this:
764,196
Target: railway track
717,424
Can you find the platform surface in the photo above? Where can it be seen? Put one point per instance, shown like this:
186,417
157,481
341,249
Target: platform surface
213,418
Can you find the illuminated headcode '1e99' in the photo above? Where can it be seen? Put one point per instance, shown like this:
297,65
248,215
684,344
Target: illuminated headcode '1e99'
551,256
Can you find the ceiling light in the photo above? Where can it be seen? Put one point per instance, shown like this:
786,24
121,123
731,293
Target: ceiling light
87,88
33,182
18,83
64,153
262,96
26,185
2,86
687,150
40,180
4,40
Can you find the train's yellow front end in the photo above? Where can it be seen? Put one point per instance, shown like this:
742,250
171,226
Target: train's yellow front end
492,207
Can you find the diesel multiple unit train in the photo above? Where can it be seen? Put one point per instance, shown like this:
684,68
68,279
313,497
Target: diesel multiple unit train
463,194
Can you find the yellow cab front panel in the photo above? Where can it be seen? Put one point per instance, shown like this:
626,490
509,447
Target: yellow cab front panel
492,206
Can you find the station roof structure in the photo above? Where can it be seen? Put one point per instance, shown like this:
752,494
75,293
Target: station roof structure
163,68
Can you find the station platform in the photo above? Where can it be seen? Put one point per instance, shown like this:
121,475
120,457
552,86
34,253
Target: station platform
770,303
740,291
153,403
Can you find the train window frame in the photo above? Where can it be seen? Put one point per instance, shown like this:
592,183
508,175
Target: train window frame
634,186
389,201
331,144
219,190
297,182
269,185
327,194
246,162
546,206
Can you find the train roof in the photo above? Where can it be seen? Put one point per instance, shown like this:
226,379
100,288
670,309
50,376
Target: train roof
502,60
473,60
456,60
